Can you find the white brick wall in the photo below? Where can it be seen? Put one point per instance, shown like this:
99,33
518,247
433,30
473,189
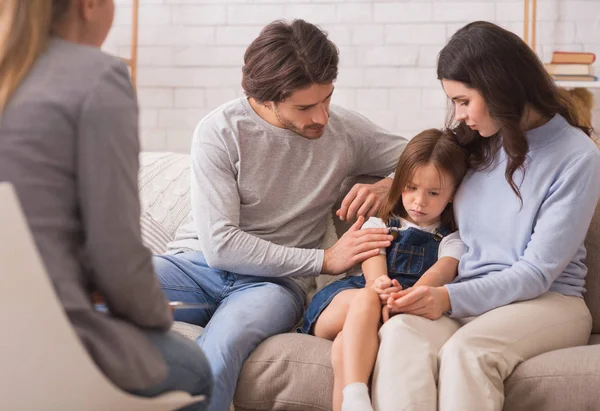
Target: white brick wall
191,53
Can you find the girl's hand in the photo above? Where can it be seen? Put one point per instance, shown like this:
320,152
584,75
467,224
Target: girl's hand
385,313
426,301
385,287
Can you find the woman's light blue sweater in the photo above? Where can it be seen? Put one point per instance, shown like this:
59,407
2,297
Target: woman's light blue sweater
519,251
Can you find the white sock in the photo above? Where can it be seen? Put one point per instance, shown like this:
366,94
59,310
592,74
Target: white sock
356,397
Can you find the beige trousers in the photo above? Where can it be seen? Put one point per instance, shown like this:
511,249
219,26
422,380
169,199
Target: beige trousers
461,365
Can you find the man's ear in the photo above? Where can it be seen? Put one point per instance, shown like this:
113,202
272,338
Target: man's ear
85,8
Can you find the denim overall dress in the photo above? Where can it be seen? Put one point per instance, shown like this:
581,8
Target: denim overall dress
409,256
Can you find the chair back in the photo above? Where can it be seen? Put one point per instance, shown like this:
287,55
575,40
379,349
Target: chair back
44,365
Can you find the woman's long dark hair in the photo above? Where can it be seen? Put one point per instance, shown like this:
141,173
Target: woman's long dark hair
509,76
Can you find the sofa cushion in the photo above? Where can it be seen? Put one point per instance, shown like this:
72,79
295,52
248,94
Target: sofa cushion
164,184
293,372
560,380
592,296
154,236
287,372
189,331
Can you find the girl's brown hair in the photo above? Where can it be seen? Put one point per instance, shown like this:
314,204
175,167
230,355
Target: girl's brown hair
437,147
509,76
25,27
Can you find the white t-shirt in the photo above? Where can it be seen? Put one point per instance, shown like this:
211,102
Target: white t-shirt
450,246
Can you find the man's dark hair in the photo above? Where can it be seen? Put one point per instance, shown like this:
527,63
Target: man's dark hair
285,57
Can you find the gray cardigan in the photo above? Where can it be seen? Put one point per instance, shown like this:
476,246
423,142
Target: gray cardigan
69,144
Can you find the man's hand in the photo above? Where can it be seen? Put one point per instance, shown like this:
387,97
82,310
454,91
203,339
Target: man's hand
423,300
385,286
364,199
355,246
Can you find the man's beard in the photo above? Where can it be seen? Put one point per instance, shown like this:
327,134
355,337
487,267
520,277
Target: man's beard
293,128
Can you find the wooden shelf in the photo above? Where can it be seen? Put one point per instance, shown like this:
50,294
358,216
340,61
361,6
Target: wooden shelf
531,19
132,60
578,84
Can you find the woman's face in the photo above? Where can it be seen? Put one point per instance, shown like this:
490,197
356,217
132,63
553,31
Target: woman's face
470,108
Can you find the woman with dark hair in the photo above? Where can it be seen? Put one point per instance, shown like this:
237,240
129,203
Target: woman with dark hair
523,211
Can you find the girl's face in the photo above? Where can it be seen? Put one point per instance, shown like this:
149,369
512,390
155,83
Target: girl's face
470,108
426,195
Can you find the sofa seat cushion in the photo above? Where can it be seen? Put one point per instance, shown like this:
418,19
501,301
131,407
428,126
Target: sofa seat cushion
287,372
293,372
560,380
189,331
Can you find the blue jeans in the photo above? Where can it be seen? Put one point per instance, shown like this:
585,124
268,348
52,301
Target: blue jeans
187,368
241,311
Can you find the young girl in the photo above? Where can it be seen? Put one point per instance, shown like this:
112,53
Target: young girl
425,251
523,210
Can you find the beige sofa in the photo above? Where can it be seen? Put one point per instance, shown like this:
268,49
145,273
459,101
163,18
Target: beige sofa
293,372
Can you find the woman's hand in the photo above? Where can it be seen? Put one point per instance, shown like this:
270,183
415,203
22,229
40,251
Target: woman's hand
385,287
385,313
426,301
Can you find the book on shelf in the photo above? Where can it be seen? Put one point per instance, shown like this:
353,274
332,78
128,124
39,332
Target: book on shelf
574,78
570,69
572,57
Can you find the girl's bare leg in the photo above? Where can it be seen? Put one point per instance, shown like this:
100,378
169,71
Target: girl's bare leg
359,344
353,353
330,322
361,341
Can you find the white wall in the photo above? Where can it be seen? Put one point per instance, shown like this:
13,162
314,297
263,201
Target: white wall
191,53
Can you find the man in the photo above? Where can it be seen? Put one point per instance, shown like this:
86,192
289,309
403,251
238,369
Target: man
266,170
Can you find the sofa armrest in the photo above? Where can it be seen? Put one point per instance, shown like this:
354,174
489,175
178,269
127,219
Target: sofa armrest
566,379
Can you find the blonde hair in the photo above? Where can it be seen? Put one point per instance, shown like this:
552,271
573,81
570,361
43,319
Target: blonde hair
25,27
